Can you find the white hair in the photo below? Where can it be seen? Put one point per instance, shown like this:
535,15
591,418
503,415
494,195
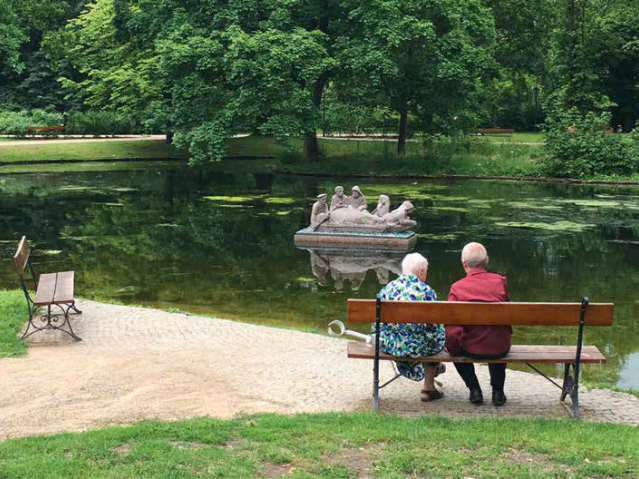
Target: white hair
413,263
475,255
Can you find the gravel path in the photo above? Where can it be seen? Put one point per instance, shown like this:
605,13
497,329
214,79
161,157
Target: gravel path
136,363
75,139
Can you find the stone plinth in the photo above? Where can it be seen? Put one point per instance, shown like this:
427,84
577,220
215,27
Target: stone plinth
401,242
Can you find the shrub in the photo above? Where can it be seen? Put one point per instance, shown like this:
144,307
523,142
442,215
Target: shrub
98,123
578,146
15,122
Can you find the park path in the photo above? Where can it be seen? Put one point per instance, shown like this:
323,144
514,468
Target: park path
136,363
75,139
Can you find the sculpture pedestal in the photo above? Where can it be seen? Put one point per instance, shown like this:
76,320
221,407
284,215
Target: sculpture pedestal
401,242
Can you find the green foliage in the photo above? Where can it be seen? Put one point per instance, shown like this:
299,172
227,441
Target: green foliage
11,36
580,145
117,74
15,122
13,315
98,123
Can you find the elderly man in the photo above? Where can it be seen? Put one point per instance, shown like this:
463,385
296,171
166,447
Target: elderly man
480,342
408,340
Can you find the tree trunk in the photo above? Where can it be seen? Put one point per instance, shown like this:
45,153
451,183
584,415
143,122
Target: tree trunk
311,145
403,122
169,138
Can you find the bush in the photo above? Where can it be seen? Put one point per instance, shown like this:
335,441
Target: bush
15,122
98,123
579,146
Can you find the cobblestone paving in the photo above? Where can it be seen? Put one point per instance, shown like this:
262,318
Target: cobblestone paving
136,363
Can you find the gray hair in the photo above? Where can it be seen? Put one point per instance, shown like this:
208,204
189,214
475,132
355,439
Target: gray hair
475,255
413,263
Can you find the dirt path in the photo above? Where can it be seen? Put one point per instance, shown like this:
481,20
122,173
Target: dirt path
136,363
82,140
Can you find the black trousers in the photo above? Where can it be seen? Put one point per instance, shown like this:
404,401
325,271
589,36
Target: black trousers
497,371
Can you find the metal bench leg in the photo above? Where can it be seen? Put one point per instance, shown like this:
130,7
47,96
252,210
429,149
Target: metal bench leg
568,383
68,323
376,363
74,308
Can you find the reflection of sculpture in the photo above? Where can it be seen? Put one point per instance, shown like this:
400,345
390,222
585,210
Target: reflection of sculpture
320,210
352,269
339,200
357,199
383,206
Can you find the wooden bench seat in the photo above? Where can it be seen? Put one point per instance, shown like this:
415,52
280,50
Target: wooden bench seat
577,315
495,131
52,289
523,354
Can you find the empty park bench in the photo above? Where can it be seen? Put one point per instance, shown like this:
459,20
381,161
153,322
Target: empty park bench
488,314
54,130
53,290
495,131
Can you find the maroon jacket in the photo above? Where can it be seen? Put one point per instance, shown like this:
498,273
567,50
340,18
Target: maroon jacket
479,286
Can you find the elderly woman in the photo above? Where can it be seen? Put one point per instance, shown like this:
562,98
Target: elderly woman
413,340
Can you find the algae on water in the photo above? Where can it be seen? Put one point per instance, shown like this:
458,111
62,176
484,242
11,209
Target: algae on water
233,199
567,226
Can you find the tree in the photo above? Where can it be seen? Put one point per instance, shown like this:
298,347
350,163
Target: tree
118,72
11,37
240,67
426,56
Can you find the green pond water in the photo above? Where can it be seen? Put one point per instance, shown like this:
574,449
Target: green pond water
166,235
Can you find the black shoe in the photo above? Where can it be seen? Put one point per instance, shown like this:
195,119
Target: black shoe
499,398
476,397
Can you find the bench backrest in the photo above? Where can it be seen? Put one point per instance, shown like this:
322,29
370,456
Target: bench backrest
21,257
484,314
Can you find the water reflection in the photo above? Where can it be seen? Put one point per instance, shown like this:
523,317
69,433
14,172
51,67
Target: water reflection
220,243
350,268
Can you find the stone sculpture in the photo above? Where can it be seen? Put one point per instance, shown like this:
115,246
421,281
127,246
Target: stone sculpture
320,210
357,200
383,206
339,200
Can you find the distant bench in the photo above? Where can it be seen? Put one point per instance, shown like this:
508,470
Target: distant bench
488,314
495,131
45,130
52,290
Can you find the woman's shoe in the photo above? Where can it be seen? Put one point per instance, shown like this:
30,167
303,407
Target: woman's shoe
431,395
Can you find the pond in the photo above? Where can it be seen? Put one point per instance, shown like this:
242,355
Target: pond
169,236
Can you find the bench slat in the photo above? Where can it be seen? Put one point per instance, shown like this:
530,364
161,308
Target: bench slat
518,354
64,288
486,314
46,289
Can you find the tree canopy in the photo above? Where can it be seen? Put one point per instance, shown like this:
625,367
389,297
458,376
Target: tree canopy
210,69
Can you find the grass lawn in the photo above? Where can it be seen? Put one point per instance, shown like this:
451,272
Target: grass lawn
336,446
13,314
99,150
466,156
526,137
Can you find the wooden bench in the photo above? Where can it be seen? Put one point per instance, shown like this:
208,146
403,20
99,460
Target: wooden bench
495,131
54,130
488,314
52,290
